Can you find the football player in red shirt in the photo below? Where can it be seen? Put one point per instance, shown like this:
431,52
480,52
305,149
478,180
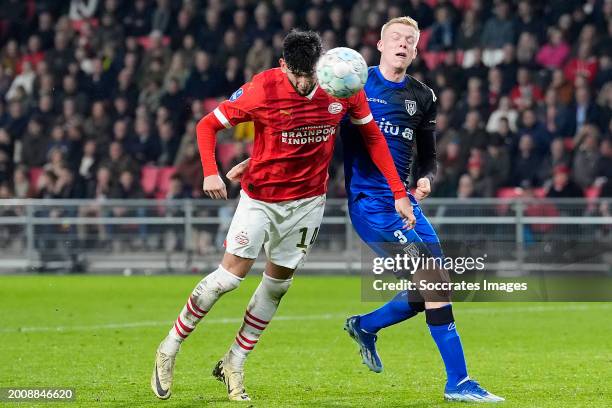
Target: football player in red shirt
282,198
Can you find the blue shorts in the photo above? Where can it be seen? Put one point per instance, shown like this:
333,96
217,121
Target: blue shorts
379,225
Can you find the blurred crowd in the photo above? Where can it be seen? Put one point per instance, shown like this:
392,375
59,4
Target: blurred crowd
93,91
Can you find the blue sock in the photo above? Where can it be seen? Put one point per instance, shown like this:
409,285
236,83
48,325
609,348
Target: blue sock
442,328
396,310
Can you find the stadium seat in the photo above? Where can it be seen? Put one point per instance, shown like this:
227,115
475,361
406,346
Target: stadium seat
78,24
592,192
35,173
163,181
209,104
148,181
225,153
423,40
462,4
145,41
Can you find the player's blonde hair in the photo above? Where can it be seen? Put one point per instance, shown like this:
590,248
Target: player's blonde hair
409,21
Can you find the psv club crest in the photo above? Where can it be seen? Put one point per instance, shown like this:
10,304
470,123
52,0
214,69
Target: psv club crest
410,107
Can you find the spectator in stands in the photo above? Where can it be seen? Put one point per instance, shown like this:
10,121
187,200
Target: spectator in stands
603,169
558,157
498,30
532,126
583,111
35,143
554,53
586,156
190,170
468,36
118,162
442,35
525,92
526,165
168,145
21,183
202,80
496,163
87,166
584,64
561,186
98,125
466,187
6,167
472,136
451,168
146,147
259,57
23,81
174,99
504,111
482,184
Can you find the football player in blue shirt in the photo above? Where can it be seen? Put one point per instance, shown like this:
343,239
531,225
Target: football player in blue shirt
405,110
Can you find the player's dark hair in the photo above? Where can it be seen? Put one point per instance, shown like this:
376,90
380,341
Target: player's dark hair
301,51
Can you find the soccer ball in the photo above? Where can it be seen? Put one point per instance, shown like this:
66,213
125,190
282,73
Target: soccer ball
342,72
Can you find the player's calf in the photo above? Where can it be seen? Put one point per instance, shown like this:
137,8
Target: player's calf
260,310
201,300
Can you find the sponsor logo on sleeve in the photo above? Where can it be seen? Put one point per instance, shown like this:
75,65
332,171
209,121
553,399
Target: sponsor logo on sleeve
236,95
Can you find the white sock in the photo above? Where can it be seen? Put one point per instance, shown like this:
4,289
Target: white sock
261,309
199,303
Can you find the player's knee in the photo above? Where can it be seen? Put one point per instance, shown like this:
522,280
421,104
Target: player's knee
216,284
275,288
418,307
439,316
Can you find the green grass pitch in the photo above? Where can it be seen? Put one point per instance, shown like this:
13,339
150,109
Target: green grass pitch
98,334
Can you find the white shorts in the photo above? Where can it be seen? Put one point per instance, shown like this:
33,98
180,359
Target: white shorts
286,229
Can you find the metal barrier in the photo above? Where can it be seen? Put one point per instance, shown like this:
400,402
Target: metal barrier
151,236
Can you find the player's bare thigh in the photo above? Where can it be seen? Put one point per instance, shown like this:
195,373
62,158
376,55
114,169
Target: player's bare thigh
237,265
241,266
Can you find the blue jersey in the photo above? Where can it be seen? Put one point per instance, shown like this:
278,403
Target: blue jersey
402,110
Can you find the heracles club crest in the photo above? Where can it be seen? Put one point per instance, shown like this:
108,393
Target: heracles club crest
410,107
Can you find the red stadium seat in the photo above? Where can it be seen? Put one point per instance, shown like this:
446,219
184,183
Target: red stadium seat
225,153
35,173
78,24
148,180
462,4
145,41
163,181
424,40
592,192
209,104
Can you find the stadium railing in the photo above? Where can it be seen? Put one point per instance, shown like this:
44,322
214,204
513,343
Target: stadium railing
187,236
